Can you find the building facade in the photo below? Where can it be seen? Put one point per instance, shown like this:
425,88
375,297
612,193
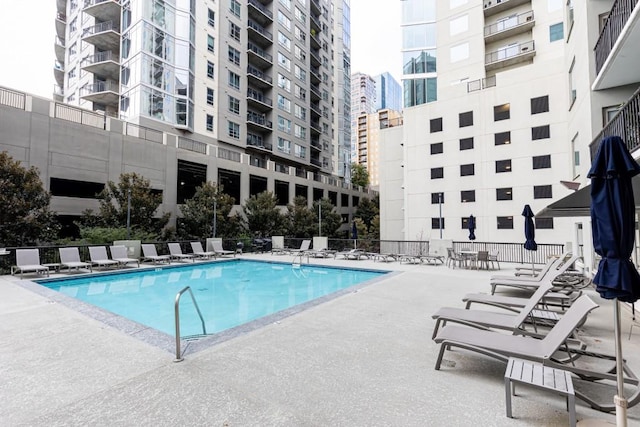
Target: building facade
363,98
494,138
368,140
388,93
259,77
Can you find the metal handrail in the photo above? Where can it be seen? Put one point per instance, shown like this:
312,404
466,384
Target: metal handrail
179,357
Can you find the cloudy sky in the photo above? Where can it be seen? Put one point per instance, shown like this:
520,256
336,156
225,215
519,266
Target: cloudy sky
27,32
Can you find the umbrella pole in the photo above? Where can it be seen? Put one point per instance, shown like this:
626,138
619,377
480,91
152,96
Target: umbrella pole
619,400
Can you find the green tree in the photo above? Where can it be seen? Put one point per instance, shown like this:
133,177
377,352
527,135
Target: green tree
359,175
367,210
300,221
25,218
144,204
263,216
331,220
197,214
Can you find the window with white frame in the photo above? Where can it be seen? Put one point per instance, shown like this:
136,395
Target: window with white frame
284,20
284,145
284,125
234,55
210,96
234,105
299,131
300,34
233,130
300,151
234,31
234,7
300,112
300,93
284,82
284,61
300,15
234,80
300,73
284,41
211,43
299,53
284,103
286,3
572,84
209,122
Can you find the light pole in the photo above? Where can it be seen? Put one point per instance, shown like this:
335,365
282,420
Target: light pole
128,213
319,218
215,216
440,213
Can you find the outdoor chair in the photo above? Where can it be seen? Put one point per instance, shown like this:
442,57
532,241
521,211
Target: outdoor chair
149,253
198,251
560,300
119,253
454,258
99,257
70,258
553,273
482,260
216,245
28,261
304,246
493,257
176,252
489,319
351,254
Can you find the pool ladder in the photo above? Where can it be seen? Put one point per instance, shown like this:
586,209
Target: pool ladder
300,257
179,357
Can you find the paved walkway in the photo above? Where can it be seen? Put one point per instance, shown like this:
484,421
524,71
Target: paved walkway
363,359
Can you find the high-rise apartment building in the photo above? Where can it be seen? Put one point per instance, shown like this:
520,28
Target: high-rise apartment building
368,140
388,93
494,137
363,98
419,28
269,78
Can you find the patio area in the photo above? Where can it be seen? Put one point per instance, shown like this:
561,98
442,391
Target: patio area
365,358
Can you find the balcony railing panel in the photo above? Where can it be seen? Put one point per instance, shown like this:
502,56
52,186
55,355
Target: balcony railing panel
618,17
12,98
625,124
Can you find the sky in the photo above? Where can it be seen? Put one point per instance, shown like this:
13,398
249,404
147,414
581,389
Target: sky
27,31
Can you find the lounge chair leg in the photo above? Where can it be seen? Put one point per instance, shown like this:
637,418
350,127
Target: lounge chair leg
507,392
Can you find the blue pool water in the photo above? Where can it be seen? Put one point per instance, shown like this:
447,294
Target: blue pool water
228,293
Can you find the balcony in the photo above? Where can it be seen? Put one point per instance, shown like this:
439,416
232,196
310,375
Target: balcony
61,6
315,58
315,126
315,108
102,64
491,7
259,34
259,12
315,40
315,74
315,93
315,144
509,27
58,72
59,48
58,93
61,25
257,100
258,142
480,84
106,10
104,36
315,24
518,53
258,120
259,78
259,56
616,48
315,7
106,93
625,124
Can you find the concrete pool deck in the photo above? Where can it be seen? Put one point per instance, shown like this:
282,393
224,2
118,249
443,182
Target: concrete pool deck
364,358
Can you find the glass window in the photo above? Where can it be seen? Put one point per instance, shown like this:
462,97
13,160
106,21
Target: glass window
234,105
501,112
284,103
284,61
418,36
541,162
300,73
542,192
209,122
437,148
300,151
284,20
284,145
505,223
419,61
233,130
504,193
284,82
299,53
284,41
544,223
234,80
234,7
300,112
286,3
465,119
210,70
467,170
435,223
418,10
572,84
503,166
435,125
502,138
212,18
211,43
284,125
234,55
234,31
540,132
300,15
556,32
437,173
437,198
420,91
466,144
300,132
468,196
540,104
300,92
210,94
300,34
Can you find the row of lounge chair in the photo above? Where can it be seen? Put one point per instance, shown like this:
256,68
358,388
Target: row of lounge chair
536,329
28,260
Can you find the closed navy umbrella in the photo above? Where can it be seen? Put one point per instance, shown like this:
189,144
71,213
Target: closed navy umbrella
472,227
613,231
529,234
354,233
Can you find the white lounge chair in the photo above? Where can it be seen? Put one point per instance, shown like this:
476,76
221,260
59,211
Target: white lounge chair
176,252
70,258
216,245
28,261
198,251
99,257
119,253
304,246
149,253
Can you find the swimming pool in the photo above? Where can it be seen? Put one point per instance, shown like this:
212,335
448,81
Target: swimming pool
228,293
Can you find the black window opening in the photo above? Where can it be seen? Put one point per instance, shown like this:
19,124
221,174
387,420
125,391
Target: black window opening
468,196
257,185
344,200
465,119
281,189
435,223
435,125
465,222
544,223
345,219
542,192
318,193
355,200
502,138
190,176
437,198
503,166
302,190
540,104
540,132
504,193
72,188
333,198
505,223
541,162
501,112
466,144
437,173
437,148
466,170
68,225
230,183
